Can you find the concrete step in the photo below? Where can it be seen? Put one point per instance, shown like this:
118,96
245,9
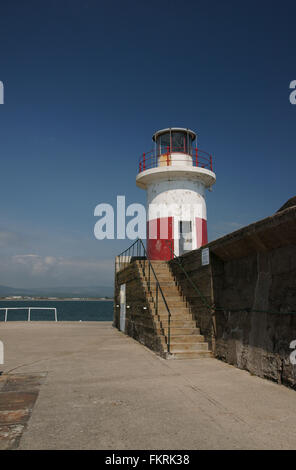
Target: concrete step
160,268
175,317
164,275
192,354
162,283
166,289
168,281
169,298
173,310
187,338
185,347
171,304
178,324
182,331
176,313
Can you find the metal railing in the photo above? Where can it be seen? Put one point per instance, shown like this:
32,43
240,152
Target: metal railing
209,307
137,251
194,157
29,311
178,260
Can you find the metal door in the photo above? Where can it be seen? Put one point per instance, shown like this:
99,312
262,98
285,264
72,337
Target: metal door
122,306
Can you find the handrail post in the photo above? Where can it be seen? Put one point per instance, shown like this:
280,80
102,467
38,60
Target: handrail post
196,156
55,315
211,162
168,150
29,314
6,311
144,161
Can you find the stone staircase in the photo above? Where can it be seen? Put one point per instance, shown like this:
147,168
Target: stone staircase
185,338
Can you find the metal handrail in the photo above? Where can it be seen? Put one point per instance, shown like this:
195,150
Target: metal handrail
29,311
174,257
135,251
151,159
211,308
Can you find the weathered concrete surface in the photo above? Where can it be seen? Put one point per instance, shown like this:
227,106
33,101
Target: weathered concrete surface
18,394
103,390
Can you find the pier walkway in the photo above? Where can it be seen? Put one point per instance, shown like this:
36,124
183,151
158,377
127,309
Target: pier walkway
85,385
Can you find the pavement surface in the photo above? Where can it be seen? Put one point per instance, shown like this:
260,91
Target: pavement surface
85,385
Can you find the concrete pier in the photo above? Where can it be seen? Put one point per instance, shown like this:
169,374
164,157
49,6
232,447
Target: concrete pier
91,387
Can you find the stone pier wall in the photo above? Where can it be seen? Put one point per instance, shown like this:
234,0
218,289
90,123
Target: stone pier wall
251,281
139,321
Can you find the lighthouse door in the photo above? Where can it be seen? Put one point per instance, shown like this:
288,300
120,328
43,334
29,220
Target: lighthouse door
185,236
122,297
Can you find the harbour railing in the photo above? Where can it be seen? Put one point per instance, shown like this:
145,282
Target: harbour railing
29,311
137,251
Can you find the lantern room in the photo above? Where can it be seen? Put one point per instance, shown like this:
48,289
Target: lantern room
175,175
177,140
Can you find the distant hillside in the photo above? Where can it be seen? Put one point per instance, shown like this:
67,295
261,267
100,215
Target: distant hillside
5,290
61,291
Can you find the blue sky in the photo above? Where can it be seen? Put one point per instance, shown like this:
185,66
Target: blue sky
86,85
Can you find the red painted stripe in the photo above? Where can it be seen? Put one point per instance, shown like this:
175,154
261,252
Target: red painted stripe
160,238
201,232
204,232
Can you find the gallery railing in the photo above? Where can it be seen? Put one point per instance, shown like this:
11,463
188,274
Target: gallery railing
194,157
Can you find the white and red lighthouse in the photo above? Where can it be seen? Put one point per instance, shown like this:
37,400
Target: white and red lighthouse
175,175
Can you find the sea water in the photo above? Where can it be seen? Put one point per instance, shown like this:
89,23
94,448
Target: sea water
67,310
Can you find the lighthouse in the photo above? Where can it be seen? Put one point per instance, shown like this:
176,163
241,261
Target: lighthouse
175,175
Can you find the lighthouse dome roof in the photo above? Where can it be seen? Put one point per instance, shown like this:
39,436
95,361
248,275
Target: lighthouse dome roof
174,129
